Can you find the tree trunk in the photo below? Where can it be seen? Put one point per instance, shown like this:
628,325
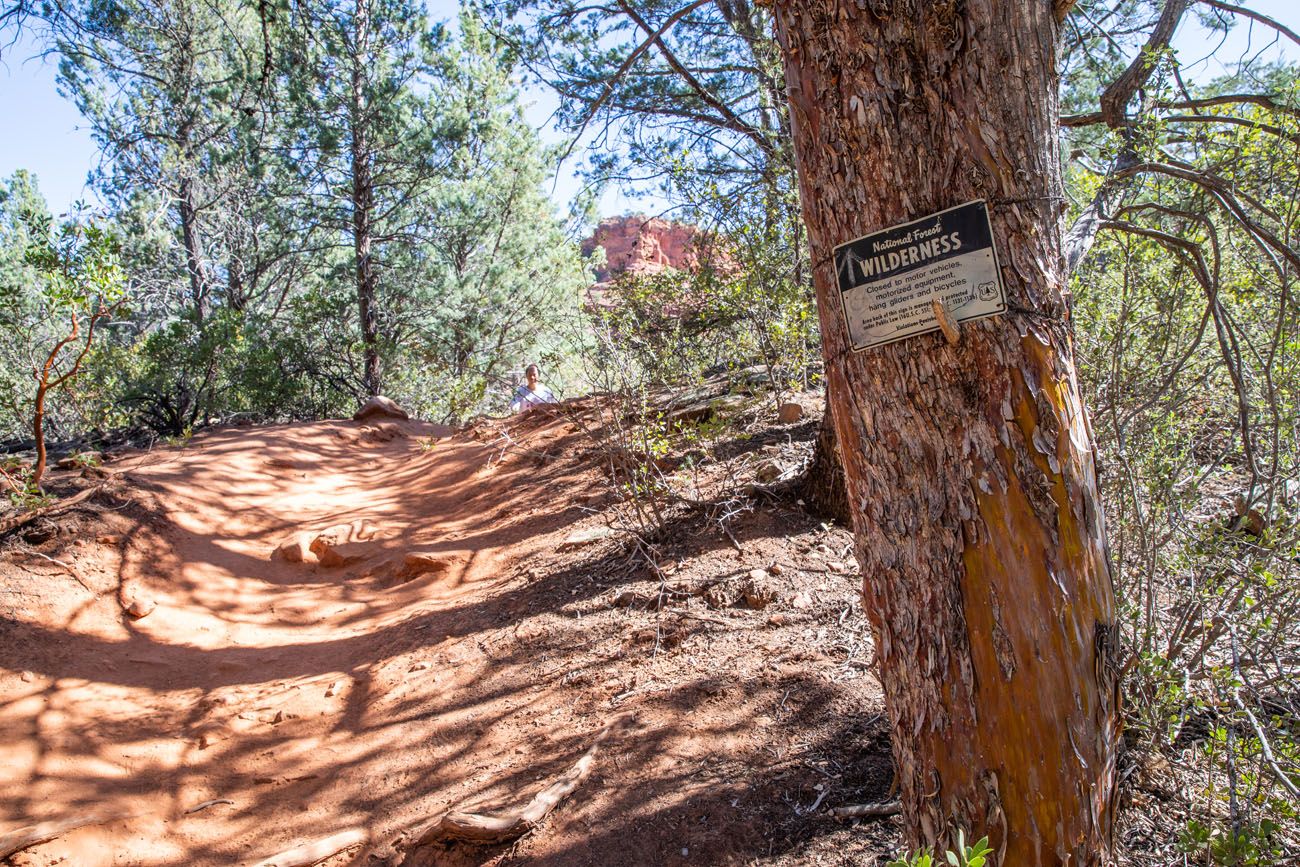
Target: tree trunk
363,204
38,430
969,467
190,237
235,295
823,484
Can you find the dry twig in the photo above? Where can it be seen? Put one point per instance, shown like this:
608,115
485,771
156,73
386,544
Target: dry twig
203,806
66,567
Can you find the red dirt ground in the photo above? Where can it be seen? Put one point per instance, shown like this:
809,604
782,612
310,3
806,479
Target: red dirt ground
316,699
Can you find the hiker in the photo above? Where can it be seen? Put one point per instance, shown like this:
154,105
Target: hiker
532,393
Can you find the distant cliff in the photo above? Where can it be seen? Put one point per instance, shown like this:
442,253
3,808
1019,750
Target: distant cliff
639,245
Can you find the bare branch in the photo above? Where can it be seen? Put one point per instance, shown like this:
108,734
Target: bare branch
1114,112
1116,97
1227,197
1255,16
1263,100
732,120
626,65
1234,121
1228,348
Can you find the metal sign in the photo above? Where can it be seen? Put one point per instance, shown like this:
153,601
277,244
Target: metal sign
888,280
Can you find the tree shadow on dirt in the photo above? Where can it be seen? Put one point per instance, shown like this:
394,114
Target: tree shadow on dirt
431,704
660,796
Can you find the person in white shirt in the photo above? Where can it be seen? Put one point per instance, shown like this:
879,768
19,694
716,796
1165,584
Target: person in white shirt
532,393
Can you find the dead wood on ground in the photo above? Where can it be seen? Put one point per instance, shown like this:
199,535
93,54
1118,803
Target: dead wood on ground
317,850
42,832
13,522
857,811
502,827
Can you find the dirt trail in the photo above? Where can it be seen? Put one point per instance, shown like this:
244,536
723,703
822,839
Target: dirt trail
378,695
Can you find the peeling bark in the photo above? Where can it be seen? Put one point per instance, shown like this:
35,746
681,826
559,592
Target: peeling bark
969,467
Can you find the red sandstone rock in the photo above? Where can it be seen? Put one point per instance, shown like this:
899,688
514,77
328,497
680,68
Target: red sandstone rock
295,548
140,607
419,562
344,544
636,245
641,246
789,413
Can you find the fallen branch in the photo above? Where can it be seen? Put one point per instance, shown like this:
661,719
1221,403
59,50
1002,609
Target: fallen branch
857,811
317,851
488,828
42,832
203,806
13,522
732,538
815,804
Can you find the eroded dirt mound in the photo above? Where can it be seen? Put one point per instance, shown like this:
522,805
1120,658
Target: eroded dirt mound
448,622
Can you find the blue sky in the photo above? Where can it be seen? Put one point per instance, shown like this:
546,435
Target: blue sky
44,133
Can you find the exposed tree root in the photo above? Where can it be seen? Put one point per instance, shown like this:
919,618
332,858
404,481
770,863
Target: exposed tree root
66,567
502,827
13,522
857,811
42,832
318,850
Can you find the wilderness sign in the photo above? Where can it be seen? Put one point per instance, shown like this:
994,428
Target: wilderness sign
889,279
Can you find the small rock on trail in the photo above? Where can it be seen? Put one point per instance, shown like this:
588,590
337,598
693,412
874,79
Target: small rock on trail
344,544
759,590
789,413
422,562
380,406
294,549
139,608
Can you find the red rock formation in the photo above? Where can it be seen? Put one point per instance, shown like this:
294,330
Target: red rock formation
637,245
